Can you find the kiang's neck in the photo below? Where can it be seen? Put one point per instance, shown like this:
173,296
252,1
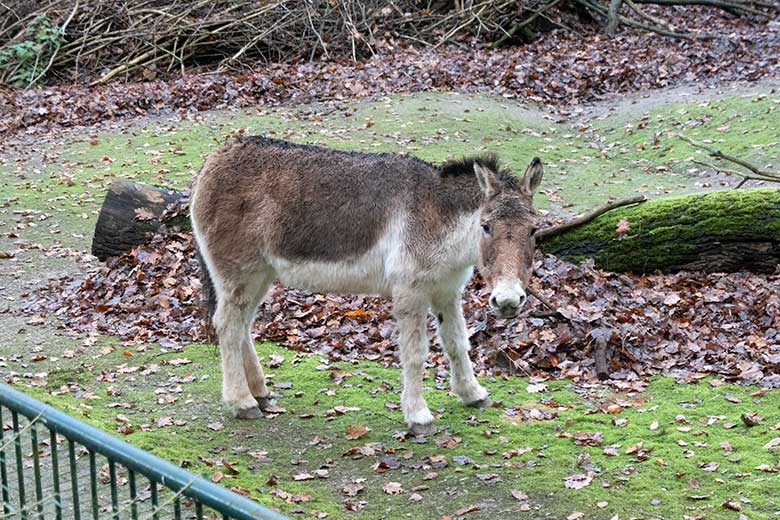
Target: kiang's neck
458,201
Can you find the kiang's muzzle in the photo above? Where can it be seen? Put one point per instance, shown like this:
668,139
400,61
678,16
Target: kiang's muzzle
507,298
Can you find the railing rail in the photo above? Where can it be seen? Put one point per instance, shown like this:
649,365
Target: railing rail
137,461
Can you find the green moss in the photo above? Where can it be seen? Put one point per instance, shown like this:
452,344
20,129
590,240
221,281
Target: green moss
658,487
671,231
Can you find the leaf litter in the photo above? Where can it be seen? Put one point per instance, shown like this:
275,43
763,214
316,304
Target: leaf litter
563,68
688,325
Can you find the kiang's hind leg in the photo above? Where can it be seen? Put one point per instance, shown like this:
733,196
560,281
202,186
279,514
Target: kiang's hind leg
231,324
252,368
242,377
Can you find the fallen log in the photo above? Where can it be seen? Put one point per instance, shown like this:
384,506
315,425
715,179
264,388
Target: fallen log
130,212
721,231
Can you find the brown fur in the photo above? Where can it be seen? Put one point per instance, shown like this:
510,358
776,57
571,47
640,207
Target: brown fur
246,182
508,248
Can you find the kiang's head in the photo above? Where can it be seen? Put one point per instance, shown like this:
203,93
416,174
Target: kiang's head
509,223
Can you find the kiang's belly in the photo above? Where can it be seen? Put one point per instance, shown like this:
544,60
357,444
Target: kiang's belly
367,275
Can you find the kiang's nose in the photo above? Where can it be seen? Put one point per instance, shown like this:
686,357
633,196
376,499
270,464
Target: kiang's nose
507,298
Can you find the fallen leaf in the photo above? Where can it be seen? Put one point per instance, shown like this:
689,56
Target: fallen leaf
465,510
579,480
352,489
356,432
393,488
519,495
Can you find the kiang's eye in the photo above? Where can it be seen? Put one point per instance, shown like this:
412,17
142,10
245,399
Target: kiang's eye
486,228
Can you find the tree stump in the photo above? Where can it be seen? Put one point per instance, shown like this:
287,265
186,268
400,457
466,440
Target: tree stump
130,212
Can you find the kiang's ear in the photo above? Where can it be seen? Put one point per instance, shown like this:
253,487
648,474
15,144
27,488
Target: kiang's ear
532,177
488,180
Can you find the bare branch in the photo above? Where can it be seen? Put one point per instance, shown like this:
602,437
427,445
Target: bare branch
756,173
547,233
613,16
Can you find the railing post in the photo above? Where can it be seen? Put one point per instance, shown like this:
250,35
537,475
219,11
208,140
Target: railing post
3,472
19,464
55,474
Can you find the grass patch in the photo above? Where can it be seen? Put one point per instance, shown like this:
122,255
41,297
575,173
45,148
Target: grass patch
683,466
586,163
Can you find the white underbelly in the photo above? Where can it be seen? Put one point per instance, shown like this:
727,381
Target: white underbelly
367,275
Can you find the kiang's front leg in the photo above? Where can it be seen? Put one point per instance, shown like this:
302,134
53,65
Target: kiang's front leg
454,339
411,311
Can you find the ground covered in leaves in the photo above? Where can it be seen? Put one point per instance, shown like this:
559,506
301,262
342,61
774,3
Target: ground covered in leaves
687,324
562,68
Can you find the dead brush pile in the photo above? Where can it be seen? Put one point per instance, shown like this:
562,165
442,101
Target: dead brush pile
94,40
104,40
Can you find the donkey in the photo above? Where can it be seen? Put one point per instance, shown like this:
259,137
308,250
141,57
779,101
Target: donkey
374,223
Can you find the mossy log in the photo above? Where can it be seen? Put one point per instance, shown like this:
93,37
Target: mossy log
721,231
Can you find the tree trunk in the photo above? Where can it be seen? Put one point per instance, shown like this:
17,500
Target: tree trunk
130,212
613,16
722,231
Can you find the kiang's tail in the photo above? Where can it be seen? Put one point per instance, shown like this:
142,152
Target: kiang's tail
208,295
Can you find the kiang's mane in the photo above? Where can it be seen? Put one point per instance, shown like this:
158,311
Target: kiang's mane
465,166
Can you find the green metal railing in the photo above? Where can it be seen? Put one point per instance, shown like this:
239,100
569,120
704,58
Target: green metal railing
151,488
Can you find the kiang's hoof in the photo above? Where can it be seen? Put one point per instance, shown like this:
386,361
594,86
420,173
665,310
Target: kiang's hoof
264,402
248,413
482,404
422,429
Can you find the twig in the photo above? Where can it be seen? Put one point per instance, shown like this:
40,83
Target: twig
533,292
516,27
745,176
652,19
319,36
514,362
553,312
758,173
613,16
123,67
546,233
600,357
35,79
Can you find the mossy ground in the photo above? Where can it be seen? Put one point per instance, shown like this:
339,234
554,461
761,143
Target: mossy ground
54,200
685,457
